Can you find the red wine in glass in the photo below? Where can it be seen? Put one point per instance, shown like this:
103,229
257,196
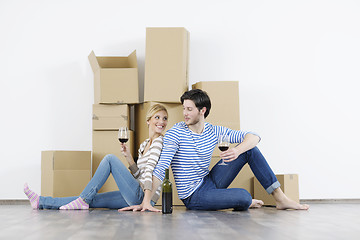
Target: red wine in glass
123,134
123,140
223,148
223,145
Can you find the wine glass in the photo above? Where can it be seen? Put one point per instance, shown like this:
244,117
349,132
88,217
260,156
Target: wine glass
123,134
223,145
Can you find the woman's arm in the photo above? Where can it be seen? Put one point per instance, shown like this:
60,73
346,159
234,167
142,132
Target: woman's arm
146,205
125,150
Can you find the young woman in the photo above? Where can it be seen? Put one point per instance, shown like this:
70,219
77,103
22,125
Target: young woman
131,185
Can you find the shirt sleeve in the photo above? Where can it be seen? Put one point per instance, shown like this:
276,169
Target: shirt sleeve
154,154
235,136
170,147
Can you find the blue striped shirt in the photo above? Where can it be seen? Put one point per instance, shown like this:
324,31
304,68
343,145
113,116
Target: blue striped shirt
190,154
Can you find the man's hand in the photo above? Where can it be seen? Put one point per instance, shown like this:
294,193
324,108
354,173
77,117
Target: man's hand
229,155
249,142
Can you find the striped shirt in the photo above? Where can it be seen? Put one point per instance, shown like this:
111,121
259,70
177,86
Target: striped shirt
143,170
190,154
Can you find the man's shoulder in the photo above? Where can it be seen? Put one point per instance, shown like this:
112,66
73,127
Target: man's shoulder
180,126
176,130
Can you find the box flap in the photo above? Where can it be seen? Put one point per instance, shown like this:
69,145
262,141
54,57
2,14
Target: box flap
132,60
93,62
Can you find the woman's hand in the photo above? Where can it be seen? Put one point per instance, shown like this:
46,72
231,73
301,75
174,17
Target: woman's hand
125,149
133,208
141,207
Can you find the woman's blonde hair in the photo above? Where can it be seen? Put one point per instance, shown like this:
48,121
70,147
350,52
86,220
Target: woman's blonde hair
154,109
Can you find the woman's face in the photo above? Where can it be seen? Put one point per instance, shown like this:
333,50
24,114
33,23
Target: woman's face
158,122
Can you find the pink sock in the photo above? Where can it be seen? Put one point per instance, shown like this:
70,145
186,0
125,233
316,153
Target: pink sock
32,196
77,204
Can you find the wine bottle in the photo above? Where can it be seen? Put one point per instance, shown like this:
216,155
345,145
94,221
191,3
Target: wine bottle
167,203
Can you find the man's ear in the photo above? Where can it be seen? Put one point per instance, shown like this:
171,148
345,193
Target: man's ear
203,110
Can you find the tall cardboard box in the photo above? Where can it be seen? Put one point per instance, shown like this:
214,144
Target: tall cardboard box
289,185
175,115
106,142
243,180
64,173
166,64
224,96
115,79
110,117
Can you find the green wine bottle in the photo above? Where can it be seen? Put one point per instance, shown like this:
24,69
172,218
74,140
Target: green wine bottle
167,202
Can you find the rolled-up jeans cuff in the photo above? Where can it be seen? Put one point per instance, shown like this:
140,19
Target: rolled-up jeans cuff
272,187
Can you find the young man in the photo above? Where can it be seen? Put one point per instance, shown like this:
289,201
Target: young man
188,147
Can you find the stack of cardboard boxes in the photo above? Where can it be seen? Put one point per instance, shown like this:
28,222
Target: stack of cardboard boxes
116,87
117,105
166,79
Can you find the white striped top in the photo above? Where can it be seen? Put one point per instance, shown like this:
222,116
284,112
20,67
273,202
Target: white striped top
143,170
190,154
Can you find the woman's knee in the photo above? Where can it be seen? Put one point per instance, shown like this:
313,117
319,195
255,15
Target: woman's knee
110,157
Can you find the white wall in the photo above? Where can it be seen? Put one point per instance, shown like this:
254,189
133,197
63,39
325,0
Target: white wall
297,63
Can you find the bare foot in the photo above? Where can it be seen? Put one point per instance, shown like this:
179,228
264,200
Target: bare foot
283,202
256,203
287,203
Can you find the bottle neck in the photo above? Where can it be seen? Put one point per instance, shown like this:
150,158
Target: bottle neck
167,174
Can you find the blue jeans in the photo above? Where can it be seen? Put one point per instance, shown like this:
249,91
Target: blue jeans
213,193
130,191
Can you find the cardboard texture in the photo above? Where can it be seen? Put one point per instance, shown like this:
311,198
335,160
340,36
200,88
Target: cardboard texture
289,185
115,79
175,114
106,142
110,117
60,169
243,180
166,64
222,93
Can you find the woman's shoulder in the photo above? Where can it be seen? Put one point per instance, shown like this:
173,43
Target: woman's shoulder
158,140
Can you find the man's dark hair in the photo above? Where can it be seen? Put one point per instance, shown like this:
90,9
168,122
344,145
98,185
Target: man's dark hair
200,99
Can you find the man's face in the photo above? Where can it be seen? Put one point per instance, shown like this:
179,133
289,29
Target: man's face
191,113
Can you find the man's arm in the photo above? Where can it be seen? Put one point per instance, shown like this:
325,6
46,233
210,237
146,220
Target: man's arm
250,141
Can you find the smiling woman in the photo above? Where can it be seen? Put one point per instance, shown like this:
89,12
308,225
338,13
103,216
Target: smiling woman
131,185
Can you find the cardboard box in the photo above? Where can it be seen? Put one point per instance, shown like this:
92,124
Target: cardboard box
106,142
61,169
224,96
222,93
110,116
289,185
115,79
166,64
175,114
243,180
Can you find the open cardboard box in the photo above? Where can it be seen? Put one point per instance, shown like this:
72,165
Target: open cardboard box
115,79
